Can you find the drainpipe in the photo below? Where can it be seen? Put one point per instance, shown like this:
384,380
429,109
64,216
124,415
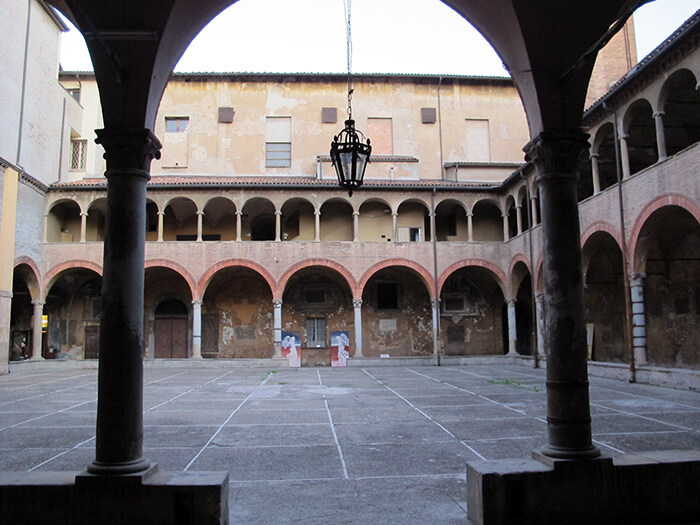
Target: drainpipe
436,302
442,161
24,86
533,317
625,269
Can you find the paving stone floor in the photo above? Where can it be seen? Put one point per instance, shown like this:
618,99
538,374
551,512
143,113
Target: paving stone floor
319,445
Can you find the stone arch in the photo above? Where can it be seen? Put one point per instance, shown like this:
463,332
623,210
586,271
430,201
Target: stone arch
487,221
180,218
451,220
219,219
639,127
177,268
672,199
342,270
596,227
425,275
204,281
498,274
519,266
63,220
680,102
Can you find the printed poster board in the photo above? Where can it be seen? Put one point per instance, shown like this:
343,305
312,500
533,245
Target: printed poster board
340,348
291,348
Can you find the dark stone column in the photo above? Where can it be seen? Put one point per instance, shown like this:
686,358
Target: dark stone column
119,444
568,409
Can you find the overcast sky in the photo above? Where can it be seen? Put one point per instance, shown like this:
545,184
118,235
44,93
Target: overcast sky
388,36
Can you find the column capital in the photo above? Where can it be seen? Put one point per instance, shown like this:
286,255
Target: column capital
394,214
128,149
594,156
199,212
659,113
539,297
435,303
38,302
278,213
197,303
356,213
357,303
83,214
317,212
239,213
161,213
511,302
277,303
556,153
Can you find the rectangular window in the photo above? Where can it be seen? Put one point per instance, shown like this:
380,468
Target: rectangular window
177,124
77,155
387,296
379,130
315,332
478,142
278,142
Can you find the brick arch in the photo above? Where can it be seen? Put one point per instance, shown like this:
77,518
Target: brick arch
35,288
672,199
519,258
601,226
180,270
342,270
53,274
406,263
479,263
585,256
229,263
538,277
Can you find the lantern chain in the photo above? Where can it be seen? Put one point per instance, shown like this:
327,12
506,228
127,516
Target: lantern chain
348,5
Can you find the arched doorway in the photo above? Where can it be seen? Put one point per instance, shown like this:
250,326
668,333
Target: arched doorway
171,330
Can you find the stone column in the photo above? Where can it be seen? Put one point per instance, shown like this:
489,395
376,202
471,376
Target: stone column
395,226
355,226
519,217
199,225
161,215
196,330
624,156
470,226
639,323
36,330
512,329
83,226
317,225
435,303
239,215
119,443
357,306
433,229
278,226
568,409
660,135
277,325
533,208
595,171
539,312
506,232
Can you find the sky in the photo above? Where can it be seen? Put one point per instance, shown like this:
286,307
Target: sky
388,36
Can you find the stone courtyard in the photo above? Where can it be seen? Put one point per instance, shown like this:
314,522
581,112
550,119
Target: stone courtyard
321,445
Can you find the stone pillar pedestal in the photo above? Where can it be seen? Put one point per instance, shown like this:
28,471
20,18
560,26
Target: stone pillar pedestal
277,321
357,306
639,323
568,409
119,444
36,330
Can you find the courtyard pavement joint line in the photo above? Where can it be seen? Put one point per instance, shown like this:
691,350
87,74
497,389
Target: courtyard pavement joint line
61,454
414,407
335,436
74,387
47,415
602,444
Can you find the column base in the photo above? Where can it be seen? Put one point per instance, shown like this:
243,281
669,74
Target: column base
153,497
552,452
118,469
652,487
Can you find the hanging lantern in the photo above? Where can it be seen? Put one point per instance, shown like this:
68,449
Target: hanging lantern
350,155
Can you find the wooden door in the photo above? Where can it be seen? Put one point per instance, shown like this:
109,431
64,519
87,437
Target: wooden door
92,342
171,337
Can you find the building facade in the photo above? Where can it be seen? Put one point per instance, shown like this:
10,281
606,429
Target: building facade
249,240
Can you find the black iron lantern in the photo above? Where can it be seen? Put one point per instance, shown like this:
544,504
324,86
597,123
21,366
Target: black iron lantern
350,155
350,149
